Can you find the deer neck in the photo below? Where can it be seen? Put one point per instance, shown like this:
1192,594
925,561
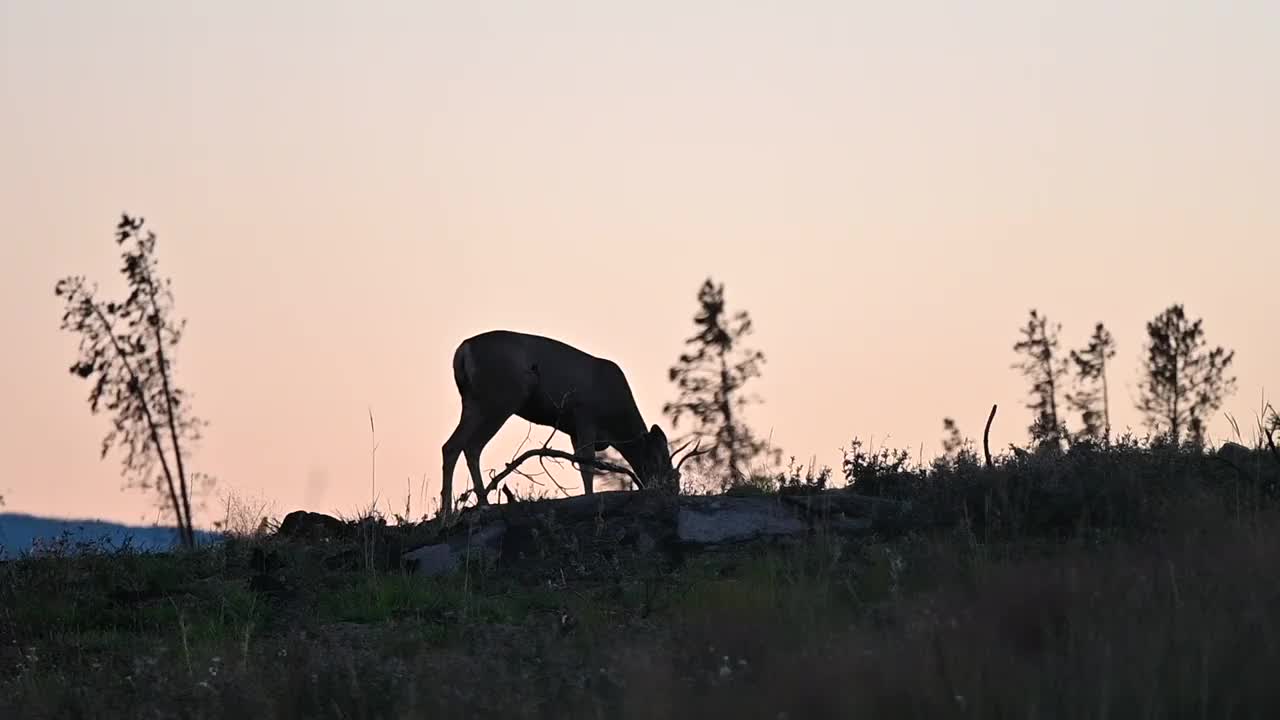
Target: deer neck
630,443
631,451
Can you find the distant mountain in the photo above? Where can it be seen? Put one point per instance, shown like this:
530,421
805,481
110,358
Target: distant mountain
18,531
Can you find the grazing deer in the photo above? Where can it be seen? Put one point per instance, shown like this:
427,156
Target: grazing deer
501,373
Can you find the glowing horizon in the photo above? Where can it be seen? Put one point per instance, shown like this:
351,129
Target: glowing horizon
341,195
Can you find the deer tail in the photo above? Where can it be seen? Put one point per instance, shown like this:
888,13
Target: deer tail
462,367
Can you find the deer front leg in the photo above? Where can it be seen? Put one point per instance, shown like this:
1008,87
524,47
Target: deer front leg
584,448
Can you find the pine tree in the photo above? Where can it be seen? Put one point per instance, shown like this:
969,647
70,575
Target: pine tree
1091,399
711,379
1045,370
1183,381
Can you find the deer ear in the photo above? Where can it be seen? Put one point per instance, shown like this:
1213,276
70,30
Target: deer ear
656,433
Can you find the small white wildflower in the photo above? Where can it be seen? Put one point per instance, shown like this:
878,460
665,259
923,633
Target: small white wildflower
213,671
960,701
725,670
283,652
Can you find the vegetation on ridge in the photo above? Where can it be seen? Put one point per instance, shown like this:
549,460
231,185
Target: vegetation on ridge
1121,580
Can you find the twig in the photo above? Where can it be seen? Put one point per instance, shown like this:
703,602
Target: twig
527,434
530,477
986,436
373,458
546,444
542,464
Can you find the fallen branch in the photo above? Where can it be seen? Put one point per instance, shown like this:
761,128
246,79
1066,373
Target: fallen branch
514,465
986,436
531,478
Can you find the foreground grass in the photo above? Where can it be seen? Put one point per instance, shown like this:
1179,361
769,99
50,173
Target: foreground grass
1178,621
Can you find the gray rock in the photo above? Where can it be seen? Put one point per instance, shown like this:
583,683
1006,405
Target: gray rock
313,525
446,557
432,560
709,521
1237,455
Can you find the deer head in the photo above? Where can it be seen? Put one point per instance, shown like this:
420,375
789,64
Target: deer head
660,468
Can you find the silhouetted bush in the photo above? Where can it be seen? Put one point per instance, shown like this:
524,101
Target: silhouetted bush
1124,486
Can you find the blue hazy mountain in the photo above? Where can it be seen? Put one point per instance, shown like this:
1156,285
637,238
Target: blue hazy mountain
18,531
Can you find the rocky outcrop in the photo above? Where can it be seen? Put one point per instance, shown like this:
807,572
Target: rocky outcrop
445,557
719,520
613,527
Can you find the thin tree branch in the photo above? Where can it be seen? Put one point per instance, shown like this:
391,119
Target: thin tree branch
189,530
986,435
135,385
177,448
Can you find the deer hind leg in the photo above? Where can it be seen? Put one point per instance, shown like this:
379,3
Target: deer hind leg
476,427
474,445
453,447
487,402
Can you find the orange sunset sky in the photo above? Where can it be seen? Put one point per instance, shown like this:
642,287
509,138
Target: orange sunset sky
343,191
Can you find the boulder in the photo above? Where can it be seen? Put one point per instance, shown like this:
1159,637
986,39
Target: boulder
483,543
1236,454
312,525
721,520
